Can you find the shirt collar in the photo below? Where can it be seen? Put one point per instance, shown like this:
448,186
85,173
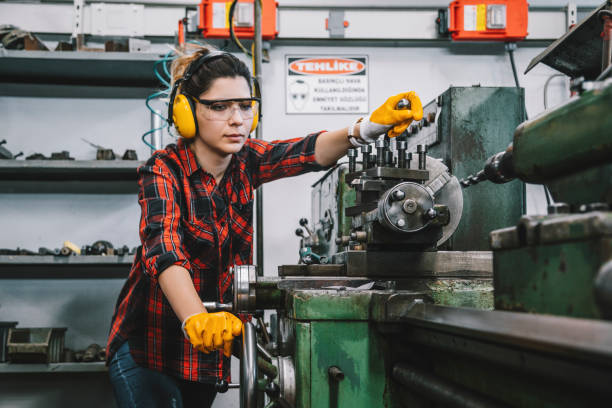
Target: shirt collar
188,157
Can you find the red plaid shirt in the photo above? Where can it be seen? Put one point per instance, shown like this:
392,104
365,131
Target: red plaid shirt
190,220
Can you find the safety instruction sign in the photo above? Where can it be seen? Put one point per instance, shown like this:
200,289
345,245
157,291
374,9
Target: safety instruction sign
327,84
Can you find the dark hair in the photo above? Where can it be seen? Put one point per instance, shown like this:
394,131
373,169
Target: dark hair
225,66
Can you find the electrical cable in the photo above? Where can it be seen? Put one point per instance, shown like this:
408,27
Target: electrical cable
233,36
550,78
165,79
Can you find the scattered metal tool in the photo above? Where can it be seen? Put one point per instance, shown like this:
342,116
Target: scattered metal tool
5,154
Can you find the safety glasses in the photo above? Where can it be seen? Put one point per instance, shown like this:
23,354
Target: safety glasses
223,109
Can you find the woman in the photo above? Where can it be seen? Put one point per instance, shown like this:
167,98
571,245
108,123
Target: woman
196,196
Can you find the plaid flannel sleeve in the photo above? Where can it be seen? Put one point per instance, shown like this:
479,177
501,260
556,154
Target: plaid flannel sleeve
282,158
161,232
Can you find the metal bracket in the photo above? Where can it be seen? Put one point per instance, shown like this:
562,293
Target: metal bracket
335,24
571,14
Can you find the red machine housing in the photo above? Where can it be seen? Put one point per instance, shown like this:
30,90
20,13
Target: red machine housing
214,19
488,20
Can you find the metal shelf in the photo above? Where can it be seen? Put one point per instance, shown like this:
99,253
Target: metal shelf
64,267
9,368
68,176
77,74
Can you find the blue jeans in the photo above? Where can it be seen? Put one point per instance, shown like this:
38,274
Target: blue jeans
136,386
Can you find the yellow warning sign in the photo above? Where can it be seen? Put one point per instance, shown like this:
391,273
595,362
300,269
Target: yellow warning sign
481,17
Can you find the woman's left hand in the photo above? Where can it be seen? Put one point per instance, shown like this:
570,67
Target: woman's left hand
390,119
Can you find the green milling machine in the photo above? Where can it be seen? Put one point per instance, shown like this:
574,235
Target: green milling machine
421,284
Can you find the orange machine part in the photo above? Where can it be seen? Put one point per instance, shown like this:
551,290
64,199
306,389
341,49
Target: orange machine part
214,23
468,20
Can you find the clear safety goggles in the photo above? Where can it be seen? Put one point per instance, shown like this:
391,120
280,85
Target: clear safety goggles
223,109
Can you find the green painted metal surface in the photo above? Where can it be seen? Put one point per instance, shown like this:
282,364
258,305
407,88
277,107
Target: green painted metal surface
463,293
330,305
555,279
355,349
571,137
585,186
475,123
302,364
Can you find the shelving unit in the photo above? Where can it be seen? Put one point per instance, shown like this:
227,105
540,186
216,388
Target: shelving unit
78,74
68,176
9,368
64,267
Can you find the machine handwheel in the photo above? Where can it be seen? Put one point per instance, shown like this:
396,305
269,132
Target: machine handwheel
248,367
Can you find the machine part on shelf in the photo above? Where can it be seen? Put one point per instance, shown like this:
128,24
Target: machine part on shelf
245,278
17,251
37,156
101,248
6,154
105,154
308,257
14,38
36,345
129,155
93,353
48,251
248,367
123,251
440,391
70,248
63,155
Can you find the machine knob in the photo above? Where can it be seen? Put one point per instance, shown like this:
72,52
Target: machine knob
398,195
303,222
403,104
431,214
299,232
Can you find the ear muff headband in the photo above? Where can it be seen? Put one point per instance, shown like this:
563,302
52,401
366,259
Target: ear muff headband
181,108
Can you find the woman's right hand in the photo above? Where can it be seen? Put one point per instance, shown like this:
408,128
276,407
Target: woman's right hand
208,332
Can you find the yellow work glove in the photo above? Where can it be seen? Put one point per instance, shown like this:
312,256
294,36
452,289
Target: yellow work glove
208,332
388,119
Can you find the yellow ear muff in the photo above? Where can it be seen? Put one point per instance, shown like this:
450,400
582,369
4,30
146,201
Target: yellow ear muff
183,116
255,120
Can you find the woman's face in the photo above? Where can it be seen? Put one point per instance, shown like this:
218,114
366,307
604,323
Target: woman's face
224,137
